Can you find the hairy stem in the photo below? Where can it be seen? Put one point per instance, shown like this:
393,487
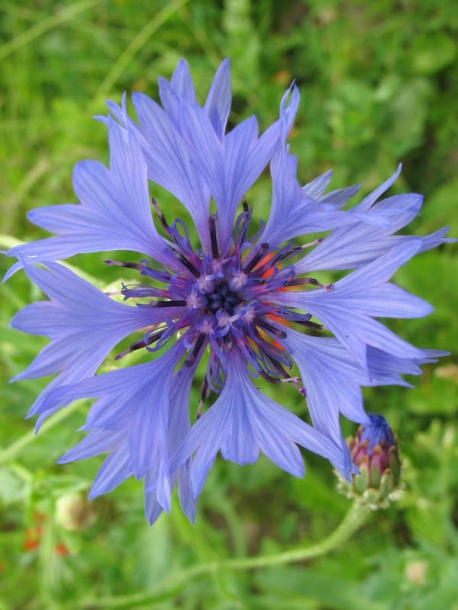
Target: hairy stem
353,520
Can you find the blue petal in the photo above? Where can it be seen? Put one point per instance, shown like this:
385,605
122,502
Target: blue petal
178,427
316,187
140,437
147,434
114,213
169,162
355,245
115,469
80,341
361,235
340,197
153,509
369,201
288,108
294,213
382,364
110,427
243,422
97,442
289,204
332,379
218,102
436,239
347,308
230,166
180,87
182,82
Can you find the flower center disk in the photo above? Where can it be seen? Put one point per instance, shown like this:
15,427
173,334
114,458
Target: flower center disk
222,299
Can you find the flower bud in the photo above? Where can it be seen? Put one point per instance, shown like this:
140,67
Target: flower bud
374,451
73,512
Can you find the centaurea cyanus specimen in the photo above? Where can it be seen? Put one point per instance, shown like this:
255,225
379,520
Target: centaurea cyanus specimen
245,304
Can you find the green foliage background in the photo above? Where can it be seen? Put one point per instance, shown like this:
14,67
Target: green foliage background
379,84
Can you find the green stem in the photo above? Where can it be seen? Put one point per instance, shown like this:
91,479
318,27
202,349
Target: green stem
136,44
45,25
14,449
353,520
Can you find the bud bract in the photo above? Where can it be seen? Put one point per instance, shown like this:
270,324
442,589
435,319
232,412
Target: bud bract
374,450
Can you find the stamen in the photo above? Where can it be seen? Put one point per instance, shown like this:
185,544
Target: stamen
182,241
189,266
267,377
309,281
302,281
290,380
309,245
270,329
162,219
213,235
256,258
269,264
190,360
241,229
203,395
312,243
245,204
296,381
161,304
141,343
309,324
114,293
136,266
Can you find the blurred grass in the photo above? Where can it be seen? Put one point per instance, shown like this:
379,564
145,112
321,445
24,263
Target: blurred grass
379,83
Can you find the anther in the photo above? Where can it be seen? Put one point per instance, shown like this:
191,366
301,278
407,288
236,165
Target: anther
161,216
136,266
270,329
309,324
160,304
141,343
309,245
203,395
303,281
257,257
286,378
189,266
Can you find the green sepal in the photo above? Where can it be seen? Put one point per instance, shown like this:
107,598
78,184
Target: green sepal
361,481
376,476
386,485
395,465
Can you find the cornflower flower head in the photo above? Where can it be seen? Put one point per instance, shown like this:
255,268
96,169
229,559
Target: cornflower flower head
246,305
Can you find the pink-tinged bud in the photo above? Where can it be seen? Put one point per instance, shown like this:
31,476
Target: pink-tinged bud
374,451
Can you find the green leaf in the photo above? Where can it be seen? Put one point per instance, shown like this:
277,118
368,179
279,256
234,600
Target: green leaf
432,53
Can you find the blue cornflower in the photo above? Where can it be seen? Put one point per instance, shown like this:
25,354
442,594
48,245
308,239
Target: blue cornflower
243,305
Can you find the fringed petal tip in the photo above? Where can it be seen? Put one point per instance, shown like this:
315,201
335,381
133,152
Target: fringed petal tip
288,108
